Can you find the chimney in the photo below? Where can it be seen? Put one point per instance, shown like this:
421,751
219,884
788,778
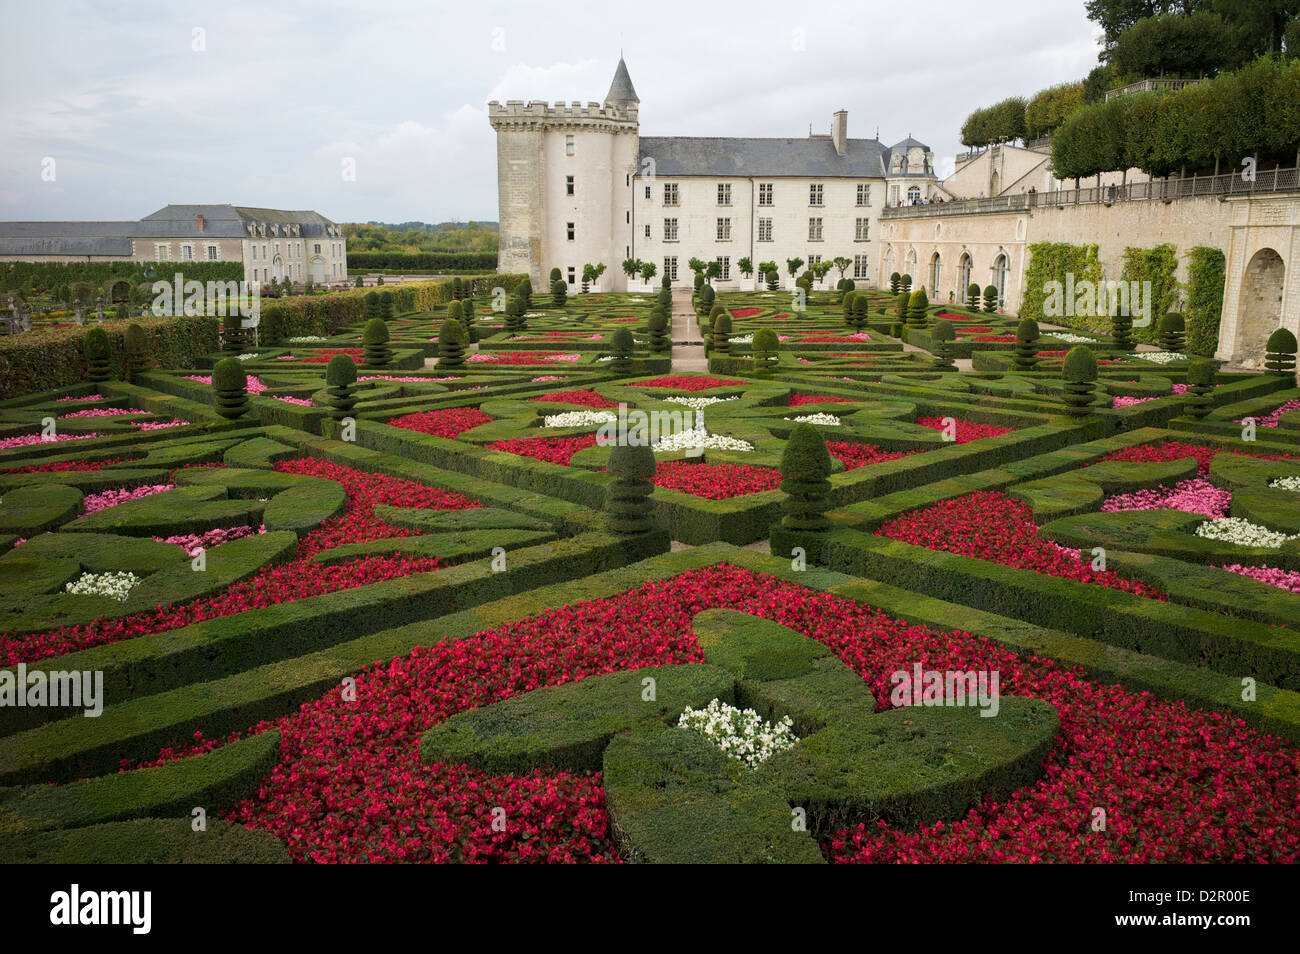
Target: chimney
200,220
840,131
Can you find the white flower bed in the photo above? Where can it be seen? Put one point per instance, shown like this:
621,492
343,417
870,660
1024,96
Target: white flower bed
113,585
700,403
1160,357
1069,338
1241,531
307,339
743,735
580,418
700,439
249,356
825,420
1286,483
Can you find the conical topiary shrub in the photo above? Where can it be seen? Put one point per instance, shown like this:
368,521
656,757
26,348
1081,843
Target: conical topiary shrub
901,303
232,335
895,283
917,305
943,335
627,497
990,298
660,340
765,348
1173,332
374,343
555,275
665,297
137,351
230,386
860,305
372,305
805,467
1279,352
721,328
846,304
97,354
1079,371
973,297
1200,385
622,346
559,293
451,344
340,378
905,283
1027,334
1121,332
773,279
386,306
705,297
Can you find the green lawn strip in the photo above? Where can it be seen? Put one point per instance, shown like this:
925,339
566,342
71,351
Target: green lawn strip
147,841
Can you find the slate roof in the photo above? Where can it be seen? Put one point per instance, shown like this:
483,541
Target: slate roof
621,89
813,157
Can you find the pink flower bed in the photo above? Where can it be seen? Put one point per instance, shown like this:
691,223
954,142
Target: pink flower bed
88,397
546,377
254,385
799,400
1271,418
1283,579
686,382
1196,495
192,543
520,357
111,498
1002,339
445,422
747,312
159,425
102,412
301,402
26,440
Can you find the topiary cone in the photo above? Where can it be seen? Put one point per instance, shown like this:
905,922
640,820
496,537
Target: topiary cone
374,343
1200,382
805,467
721,329
1079,372
97,354
1280,352
451,344
917,305
943,336
1173,332
230,388
627,497
1026,355
340,378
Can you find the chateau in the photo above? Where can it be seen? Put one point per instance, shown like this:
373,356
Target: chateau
271,244
578,184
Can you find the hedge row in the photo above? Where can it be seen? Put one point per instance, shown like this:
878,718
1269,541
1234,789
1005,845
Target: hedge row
44,277
424,261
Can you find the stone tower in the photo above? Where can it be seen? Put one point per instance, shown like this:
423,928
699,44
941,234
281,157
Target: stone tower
564,184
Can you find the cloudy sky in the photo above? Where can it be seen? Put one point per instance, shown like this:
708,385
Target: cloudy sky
114,108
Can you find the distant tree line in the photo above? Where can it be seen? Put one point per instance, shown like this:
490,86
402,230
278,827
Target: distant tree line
421,237
424,261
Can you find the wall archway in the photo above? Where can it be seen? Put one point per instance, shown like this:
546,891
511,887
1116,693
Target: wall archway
964,269
1000,278
935,270
1259,308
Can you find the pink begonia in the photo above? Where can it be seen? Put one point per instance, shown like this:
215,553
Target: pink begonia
1271,418
301,402
547,377
1282,579
194,542
1124,400
286,357
26,440
159,425
88,397
111,498
254,386
407,379
102,412
1196,495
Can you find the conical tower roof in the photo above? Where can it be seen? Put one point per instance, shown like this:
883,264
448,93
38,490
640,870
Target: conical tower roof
621,90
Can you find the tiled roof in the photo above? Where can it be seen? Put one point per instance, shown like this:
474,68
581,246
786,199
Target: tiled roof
707,156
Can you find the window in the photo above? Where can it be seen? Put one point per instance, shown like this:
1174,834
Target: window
670,193
814,230
814,260
724,230
864,193
861,230
670,230
914,195
568,151
670,267
815,194
316,248
724,193
212,253
765,230
187,252
859,266
628,213
568,185
765,193
571,275
568,227
647,230
163,252
647,192
725,262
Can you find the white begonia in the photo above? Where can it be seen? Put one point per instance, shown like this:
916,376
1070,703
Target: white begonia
580,418
115,585
1241,531
307,339
700,439
1286,483
741,734
825,420
1069,338
1160,357
249,356
700,403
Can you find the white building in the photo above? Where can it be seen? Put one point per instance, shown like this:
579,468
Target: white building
578,185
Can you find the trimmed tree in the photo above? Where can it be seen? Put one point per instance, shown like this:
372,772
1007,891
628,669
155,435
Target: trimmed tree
451,344
386,306
905,284
917,305
627,497
973,297
97,354
990,298
765,348
1027,334
555,275
1079,371
901,303
846,304
860,306
660,340
1121,332
1279,353
232,335
943,335
773,278
374,343
137,351
340,381
559,293
805,467
706,297
1200,385
372,305
895,282
622,346
230,387
721,332
1173,332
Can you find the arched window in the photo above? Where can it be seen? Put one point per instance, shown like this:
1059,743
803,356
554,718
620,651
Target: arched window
913,195
964,268
911,266
934,277
1000,279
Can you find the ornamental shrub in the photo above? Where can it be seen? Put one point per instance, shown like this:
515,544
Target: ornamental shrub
451,344
901,303
666,284
860,306
990,298
1279,353
917,305
374,343
555,276
846,304
627,496
660,339
622,346
973,297
1121,332
699,282
765,348
372,305
525,291
895,282
1172,330
773,280
896,329
805,467
706,297
230,386
1200,385
943,335
1079,371
386,306
97,354
905,284
666,299
137,351
720,328
232,334
1027,334
559,293
340,381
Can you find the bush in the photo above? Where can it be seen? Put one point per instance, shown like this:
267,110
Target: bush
773,278
1079,371
918,303
805,467
705,297
232,334
1172,330
622,346
943,335
374,341
137,351
1279,353
901,303
229,384
1121,331
1027,334
386,304
765,348
451,344
559,293
860,305
846,304
340,378
973,297
660,339
96,345
895,282
556,275
990,298
896,329
372,305
720,328
627,497
1200,381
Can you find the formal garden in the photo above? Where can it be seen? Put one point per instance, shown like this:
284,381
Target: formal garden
468,571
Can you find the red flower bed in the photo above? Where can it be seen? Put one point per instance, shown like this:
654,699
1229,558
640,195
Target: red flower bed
747,312
445,422
834,339
295,580
622,320
716,481
975,330
323,357
989,525
1052,354
1004,339
62,466
517,357
1178,785
967,431
552,450
852,454
580,396
683,382
799,400
1172,450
